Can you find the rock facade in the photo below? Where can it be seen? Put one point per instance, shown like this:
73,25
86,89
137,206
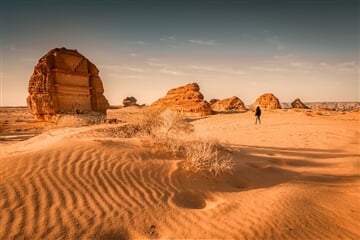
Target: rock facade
228,104
130,101
267,101
64,81
187,100
298,104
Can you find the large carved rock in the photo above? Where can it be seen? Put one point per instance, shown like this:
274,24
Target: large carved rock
64,81
297,103
228,104
267,101
186,99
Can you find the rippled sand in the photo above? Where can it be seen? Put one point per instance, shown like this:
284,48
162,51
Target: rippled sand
296,177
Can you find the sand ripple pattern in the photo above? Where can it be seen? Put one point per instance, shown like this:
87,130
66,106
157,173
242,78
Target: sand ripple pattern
78,190
87,188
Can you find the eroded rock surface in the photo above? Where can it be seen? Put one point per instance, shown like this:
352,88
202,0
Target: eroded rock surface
267,101
228,104
187,100
297,103
64,81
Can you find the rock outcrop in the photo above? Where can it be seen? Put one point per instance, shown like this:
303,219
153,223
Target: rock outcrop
228,104
64,81
298,104
267,101
186,100
212,101
130,101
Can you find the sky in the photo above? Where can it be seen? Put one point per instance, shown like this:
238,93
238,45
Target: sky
307,49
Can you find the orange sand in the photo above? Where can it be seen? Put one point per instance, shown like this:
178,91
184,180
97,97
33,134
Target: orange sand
296,177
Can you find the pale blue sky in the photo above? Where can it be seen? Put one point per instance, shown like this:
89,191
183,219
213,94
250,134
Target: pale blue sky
306,49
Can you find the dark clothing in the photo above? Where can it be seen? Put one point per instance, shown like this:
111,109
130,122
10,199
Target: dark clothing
257,115
258,111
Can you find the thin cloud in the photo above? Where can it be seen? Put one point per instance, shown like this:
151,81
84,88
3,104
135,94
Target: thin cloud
123,76
217,69
122,68
347,67
268,69
140,43
171,38
275,41
28,59
171,72
286,57
203,42
156,64
301,64
153,59
13,48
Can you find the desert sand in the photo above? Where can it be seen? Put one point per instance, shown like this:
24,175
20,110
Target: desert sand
296,176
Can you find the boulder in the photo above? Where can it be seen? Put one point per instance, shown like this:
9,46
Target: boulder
298,104
187,100
228,104
130,101
64,81
267,101
212,101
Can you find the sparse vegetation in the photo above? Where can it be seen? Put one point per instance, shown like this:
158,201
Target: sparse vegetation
163,131
78,120
208,156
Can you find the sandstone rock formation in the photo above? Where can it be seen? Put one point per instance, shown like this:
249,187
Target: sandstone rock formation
130,101
268,101
212,101
298,104
186,99
228,104
64,81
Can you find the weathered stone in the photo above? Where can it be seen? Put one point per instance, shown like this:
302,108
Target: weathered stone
267,101
64,81
186,100
228,104
298,104
130,101
212,101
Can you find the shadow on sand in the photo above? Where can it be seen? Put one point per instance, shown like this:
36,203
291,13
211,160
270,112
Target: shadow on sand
264,167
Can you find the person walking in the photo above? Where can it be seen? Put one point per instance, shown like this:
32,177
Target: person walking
257,115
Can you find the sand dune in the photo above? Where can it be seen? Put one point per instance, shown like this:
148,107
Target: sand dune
296,176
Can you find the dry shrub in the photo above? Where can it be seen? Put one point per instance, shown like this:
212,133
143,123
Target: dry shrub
208,156
163,125
78,120
165,132
123,131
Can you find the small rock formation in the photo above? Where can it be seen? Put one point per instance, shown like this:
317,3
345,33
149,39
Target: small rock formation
130,101
267,101
64,81
212,101
298,104
228,104
186,99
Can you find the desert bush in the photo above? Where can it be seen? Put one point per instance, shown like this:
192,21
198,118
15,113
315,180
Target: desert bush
207,156
164,131
78,120
163,125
